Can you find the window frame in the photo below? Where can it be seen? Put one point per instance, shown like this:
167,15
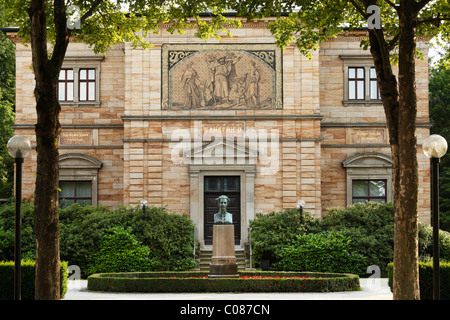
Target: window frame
357,81
66,81
86,81
78,63
359,61
75,198
80,167
373,81
369,165
369,197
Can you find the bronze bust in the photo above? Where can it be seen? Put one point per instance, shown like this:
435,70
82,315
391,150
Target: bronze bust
223,217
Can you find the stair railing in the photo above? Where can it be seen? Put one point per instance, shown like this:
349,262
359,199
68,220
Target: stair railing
195,240
250,246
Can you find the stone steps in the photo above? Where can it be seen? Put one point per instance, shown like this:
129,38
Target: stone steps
204,259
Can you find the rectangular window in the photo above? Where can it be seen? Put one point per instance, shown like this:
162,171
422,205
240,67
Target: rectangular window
65,85
374,90
87,84
356,83
79,86
368,190
75,192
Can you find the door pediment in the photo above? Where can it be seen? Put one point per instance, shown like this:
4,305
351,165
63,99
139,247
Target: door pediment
220,151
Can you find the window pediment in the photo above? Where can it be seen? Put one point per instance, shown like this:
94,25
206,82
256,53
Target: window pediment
79,168
371,169
369,160
78,161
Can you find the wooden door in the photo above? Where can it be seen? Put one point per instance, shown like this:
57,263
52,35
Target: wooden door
215,186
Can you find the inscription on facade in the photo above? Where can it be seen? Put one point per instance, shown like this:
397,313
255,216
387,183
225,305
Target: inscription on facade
75,138
368,136
224,129
224,76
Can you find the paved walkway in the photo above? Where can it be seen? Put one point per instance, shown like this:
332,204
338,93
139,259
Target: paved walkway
372,289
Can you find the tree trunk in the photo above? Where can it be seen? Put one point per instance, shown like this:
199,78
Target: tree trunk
406,252
399,102
46,215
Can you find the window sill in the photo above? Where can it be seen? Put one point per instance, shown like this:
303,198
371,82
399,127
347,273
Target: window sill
80,104
365,103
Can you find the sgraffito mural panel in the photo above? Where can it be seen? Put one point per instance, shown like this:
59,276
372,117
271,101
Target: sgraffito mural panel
221,76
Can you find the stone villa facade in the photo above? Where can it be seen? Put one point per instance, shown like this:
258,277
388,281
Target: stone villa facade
188,119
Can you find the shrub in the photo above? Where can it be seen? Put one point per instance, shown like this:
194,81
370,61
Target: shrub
121,252
170,236
371,229
27,279
322,252
7,230
82,228
371,226
272,232
426,279
426,242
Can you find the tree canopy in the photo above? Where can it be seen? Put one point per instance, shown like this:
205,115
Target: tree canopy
310,22
439,111
7,103
105,23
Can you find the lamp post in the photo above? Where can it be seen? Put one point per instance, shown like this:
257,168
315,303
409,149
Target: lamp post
18,147
434,148
143,203
300,205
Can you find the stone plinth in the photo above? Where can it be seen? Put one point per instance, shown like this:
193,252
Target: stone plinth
223,261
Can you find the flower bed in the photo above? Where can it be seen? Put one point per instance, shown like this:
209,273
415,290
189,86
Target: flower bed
248,281
276,277
251,277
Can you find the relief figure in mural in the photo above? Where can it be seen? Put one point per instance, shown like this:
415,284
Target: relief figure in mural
223,217
246,88
239,91
206,93
223,73
253,78
191,82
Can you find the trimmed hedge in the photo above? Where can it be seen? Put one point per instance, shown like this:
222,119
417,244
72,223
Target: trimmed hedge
27,279
194,282
426,279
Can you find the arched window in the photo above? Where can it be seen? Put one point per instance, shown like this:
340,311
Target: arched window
78,176
369,177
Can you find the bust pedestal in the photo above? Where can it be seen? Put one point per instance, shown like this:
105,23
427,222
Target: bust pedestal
223,261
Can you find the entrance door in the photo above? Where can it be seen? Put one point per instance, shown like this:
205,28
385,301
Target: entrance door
215,186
